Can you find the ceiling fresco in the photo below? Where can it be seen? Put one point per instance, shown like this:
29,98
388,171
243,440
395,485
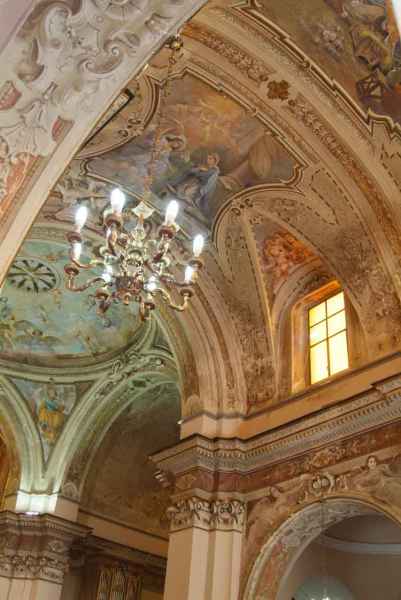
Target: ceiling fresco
121,483
281,254
50,404
210,149
42,321
356,42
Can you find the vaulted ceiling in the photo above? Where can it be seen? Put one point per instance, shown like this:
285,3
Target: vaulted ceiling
268,101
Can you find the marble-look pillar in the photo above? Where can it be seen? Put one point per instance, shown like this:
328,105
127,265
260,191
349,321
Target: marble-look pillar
34,555
204,549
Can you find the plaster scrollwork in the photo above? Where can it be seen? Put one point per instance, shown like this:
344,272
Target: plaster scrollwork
207,514
250,66
247,314
126,366
63,57
304,112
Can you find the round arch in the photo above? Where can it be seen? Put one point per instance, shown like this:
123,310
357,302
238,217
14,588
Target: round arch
282,549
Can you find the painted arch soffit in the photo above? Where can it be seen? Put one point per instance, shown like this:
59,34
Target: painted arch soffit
111,482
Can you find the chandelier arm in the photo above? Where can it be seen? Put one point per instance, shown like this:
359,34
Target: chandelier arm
81,288
151,266
178,307
93,263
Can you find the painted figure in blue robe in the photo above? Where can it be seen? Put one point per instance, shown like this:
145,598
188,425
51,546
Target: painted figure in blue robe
197,185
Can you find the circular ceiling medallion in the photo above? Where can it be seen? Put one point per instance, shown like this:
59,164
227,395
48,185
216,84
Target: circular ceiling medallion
32,275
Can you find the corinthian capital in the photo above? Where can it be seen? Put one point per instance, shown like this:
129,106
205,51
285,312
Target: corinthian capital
33,547
227,514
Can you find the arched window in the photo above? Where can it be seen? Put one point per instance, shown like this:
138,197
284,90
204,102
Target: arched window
328,345
322,588
327,337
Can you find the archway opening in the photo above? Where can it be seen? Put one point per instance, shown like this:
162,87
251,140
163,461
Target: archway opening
360,557
332,587
355,542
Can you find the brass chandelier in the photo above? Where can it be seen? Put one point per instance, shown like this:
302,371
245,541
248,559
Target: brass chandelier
135,262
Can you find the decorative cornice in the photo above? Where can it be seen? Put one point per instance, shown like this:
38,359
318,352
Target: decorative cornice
375,408
96,545
36,547
210,515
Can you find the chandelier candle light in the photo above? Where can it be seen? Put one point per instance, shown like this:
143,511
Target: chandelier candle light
133,264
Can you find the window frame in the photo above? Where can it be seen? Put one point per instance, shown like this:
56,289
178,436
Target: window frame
311,306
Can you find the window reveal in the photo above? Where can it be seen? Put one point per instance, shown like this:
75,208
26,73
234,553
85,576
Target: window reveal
328,348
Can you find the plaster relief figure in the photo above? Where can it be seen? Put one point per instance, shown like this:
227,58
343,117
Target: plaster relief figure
276,506
381,480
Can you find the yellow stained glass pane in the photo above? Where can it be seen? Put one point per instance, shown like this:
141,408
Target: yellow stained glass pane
335,304
318,333
317,314
336,323
338,353
319,362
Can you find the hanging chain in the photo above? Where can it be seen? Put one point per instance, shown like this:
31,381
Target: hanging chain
175,45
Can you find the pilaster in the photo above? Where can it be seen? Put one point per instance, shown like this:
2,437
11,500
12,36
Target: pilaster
204,549
206,529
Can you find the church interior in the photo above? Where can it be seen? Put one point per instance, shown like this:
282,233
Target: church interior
200,300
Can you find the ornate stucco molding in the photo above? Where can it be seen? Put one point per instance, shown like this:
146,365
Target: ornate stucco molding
36,547
368,411
210,515
76,63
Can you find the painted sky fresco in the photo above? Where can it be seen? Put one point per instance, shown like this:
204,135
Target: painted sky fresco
41,318
210,148
356,42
